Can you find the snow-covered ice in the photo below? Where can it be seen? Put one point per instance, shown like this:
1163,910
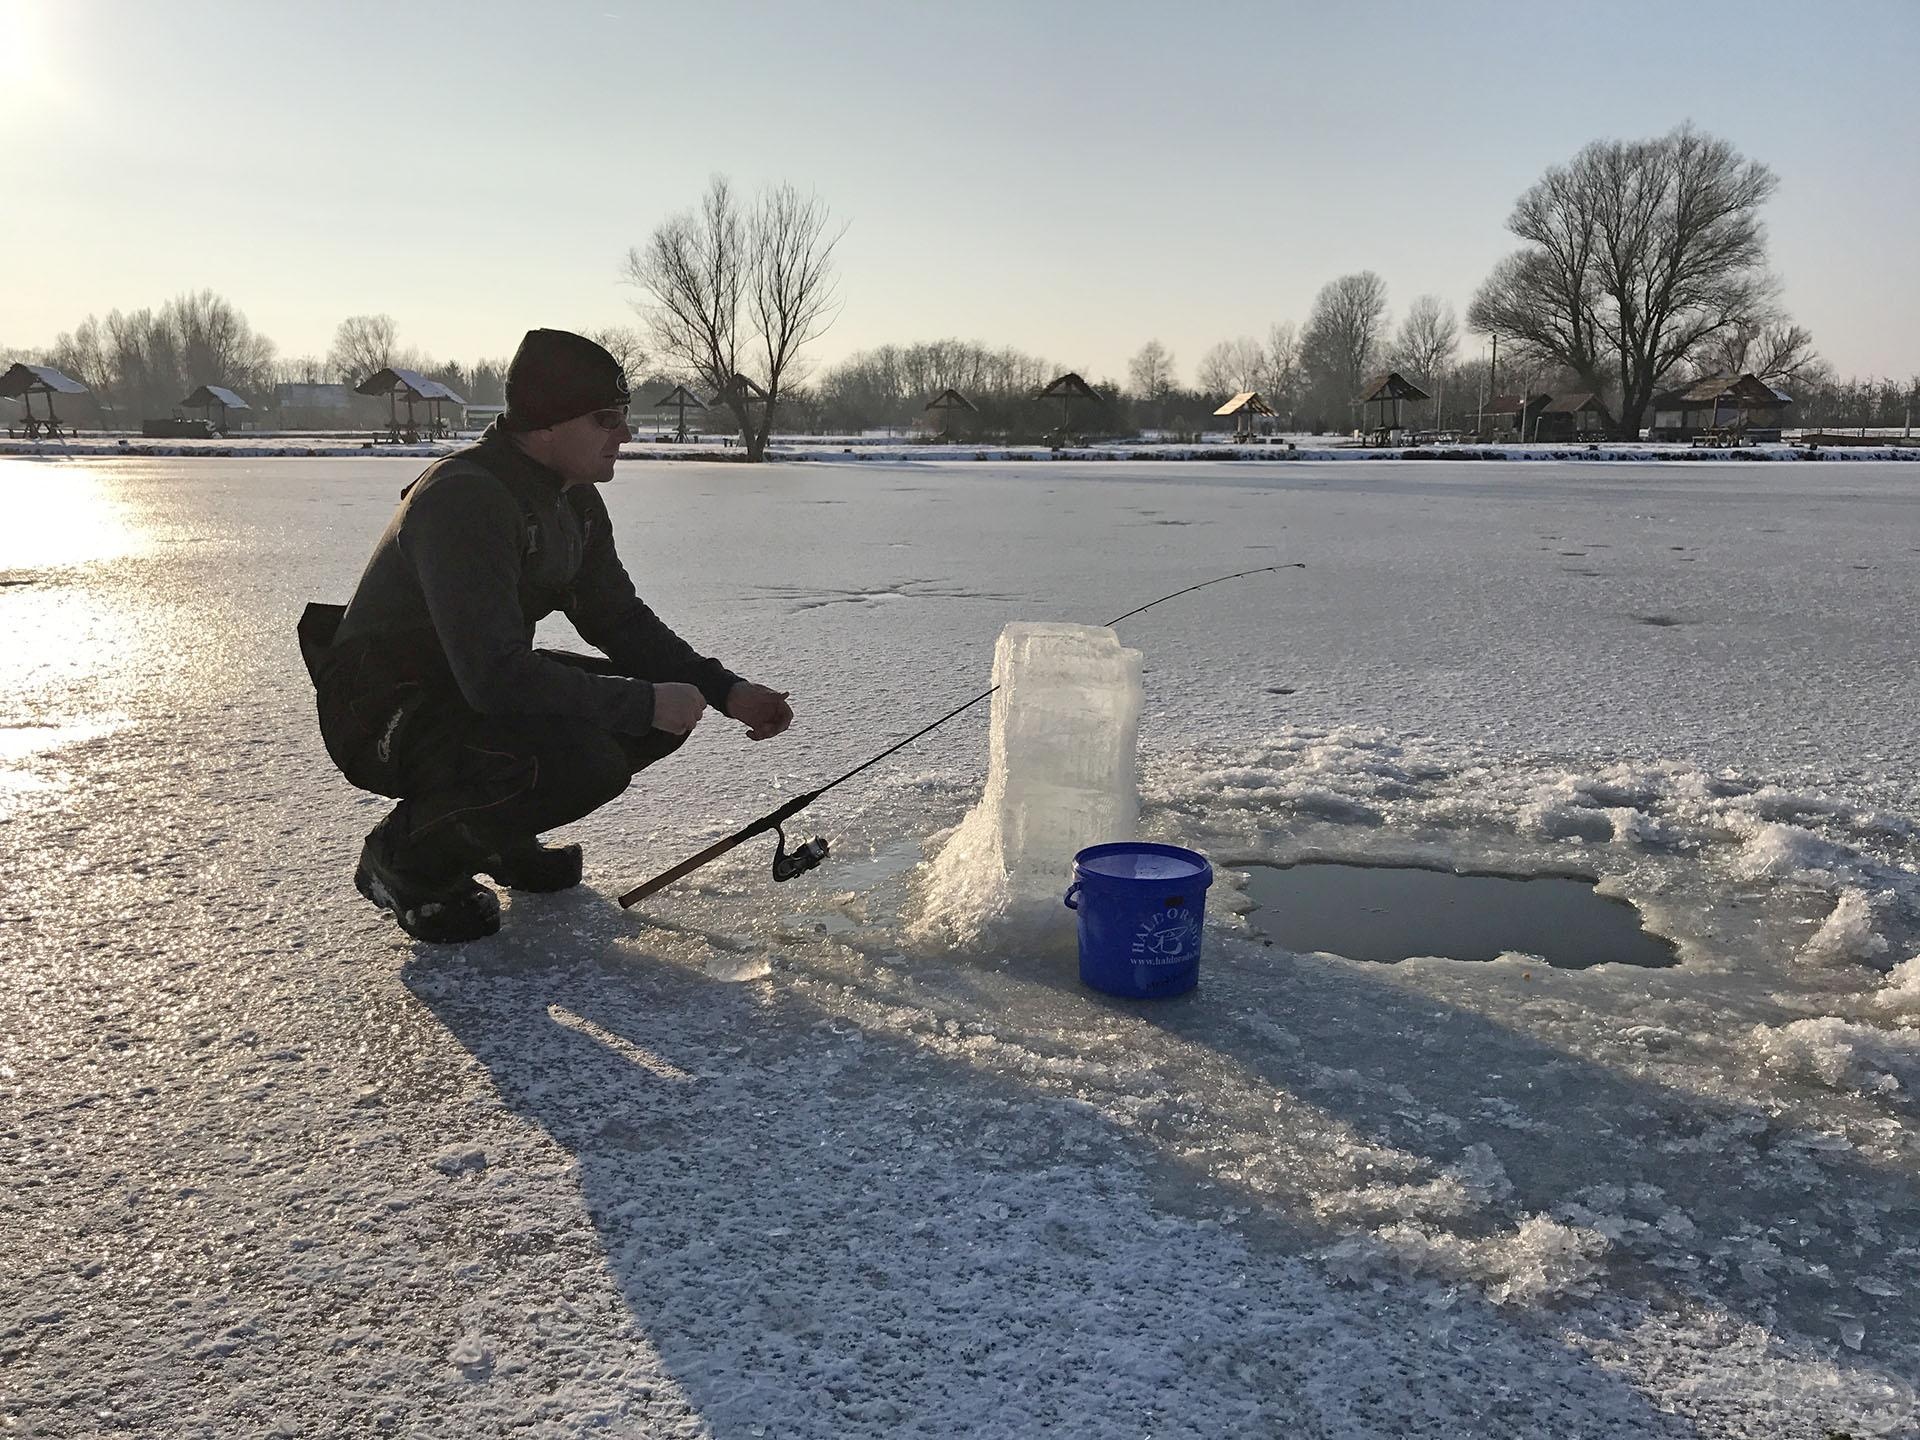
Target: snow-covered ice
757,1160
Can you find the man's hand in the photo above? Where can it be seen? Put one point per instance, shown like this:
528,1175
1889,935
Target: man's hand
764,712
677,708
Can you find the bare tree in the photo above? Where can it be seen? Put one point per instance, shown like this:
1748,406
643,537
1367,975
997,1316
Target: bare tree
83,355
740,294
363,345
1232,366
1637,254
1151,372
627,346
1773,351
216,345
1280,369
1341,344
300,370
1426,340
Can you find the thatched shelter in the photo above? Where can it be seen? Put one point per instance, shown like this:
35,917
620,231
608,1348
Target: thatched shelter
741,387
1241,409
22,382
680,399
1066,389
415,389
950,405
209,398
1388,390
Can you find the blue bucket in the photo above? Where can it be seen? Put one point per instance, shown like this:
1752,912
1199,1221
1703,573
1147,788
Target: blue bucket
1141,908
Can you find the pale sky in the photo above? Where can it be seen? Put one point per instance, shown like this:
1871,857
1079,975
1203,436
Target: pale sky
1072,179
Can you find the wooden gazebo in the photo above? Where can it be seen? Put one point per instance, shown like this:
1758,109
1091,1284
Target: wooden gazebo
680,399
1241,409
22,382
1388,390
208,398
742,387
416,389
950,404
1067,389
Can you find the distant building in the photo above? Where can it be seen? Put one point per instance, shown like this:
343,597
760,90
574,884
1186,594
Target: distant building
479,417
1511,417
1731,403
313,407
1572,417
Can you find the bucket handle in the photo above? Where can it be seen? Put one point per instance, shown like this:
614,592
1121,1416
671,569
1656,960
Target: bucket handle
1072,890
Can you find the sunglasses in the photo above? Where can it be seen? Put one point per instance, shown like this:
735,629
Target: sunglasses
611,418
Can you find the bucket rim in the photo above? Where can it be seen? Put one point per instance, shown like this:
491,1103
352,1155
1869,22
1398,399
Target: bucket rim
1084,861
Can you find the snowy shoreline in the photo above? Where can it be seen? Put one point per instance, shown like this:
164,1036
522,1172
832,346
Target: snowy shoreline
905,454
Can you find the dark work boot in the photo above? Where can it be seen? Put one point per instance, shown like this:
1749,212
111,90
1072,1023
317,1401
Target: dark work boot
529,865
440,910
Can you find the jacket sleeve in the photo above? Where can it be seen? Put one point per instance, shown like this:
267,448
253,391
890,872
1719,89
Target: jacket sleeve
610,616
464,538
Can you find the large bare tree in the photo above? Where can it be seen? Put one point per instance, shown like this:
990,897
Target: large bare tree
739,293
1637,255
1424,344
1232,366
1151,372
1341,344
1280,368
216,345
364,345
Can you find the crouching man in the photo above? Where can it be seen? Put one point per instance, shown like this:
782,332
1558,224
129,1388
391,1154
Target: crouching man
430,688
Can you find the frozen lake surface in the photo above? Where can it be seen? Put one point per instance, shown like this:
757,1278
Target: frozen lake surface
775,1160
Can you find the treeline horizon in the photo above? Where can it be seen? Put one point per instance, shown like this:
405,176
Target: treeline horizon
141,364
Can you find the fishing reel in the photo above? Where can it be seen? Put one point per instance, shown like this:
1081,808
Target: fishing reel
786,866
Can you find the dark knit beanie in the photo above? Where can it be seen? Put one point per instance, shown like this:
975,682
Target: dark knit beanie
557,376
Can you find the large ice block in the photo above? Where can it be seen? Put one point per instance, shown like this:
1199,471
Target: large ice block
1062,774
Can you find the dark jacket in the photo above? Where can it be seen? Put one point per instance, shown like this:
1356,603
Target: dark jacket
484,545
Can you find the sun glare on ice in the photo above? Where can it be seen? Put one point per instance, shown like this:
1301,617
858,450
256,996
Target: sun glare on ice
59,516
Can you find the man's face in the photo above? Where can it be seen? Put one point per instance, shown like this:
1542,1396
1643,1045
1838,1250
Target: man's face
582,450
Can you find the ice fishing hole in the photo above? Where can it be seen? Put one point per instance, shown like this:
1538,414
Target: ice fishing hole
1394,912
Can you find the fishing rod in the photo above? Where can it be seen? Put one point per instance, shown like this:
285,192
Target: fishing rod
787,864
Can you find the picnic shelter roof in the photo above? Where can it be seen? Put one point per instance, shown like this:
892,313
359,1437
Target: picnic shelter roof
1583,403
215,395
410,383
678,396
951,399
24,379
1071,386
744,386
1247,401
1391,386
1741,389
